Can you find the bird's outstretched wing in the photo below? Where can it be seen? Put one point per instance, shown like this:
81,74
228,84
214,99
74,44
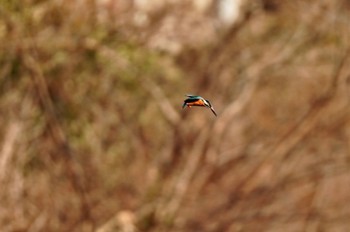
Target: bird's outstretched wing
190,100
193,96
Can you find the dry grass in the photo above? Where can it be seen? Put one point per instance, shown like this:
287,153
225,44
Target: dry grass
93,137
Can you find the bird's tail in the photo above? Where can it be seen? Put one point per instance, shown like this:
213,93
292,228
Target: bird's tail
212,110
184,105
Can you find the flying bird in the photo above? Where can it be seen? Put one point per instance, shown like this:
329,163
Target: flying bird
193,100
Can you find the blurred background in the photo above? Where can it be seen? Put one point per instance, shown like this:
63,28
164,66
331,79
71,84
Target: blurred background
93,136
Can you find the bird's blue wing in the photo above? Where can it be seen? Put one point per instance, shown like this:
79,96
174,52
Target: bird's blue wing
193,96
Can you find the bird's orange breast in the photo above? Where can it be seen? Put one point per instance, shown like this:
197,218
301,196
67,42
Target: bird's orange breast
196,103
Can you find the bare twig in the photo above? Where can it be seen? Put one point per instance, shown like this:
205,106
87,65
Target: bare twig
163,102
297,132
56,131
183,181
8,147
123,221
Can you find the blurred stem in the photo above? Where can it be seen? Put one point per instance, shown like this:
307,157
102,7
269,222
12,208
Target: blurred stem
168,111
8,147
57,133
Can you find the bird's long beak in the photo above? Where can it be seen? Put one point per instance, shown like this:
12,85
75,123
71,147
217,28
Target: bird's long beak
212,110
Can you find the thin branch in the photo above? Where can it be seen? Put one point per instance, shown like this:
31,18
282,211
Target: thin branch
297,132
57,132
182,184
163,102
8,147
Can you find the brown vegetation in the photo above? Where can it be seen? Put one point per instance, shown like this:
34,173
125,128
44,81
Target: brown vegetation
93,137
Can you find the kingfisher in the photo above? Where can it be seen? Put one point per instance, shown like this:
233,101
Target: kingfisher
193,100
